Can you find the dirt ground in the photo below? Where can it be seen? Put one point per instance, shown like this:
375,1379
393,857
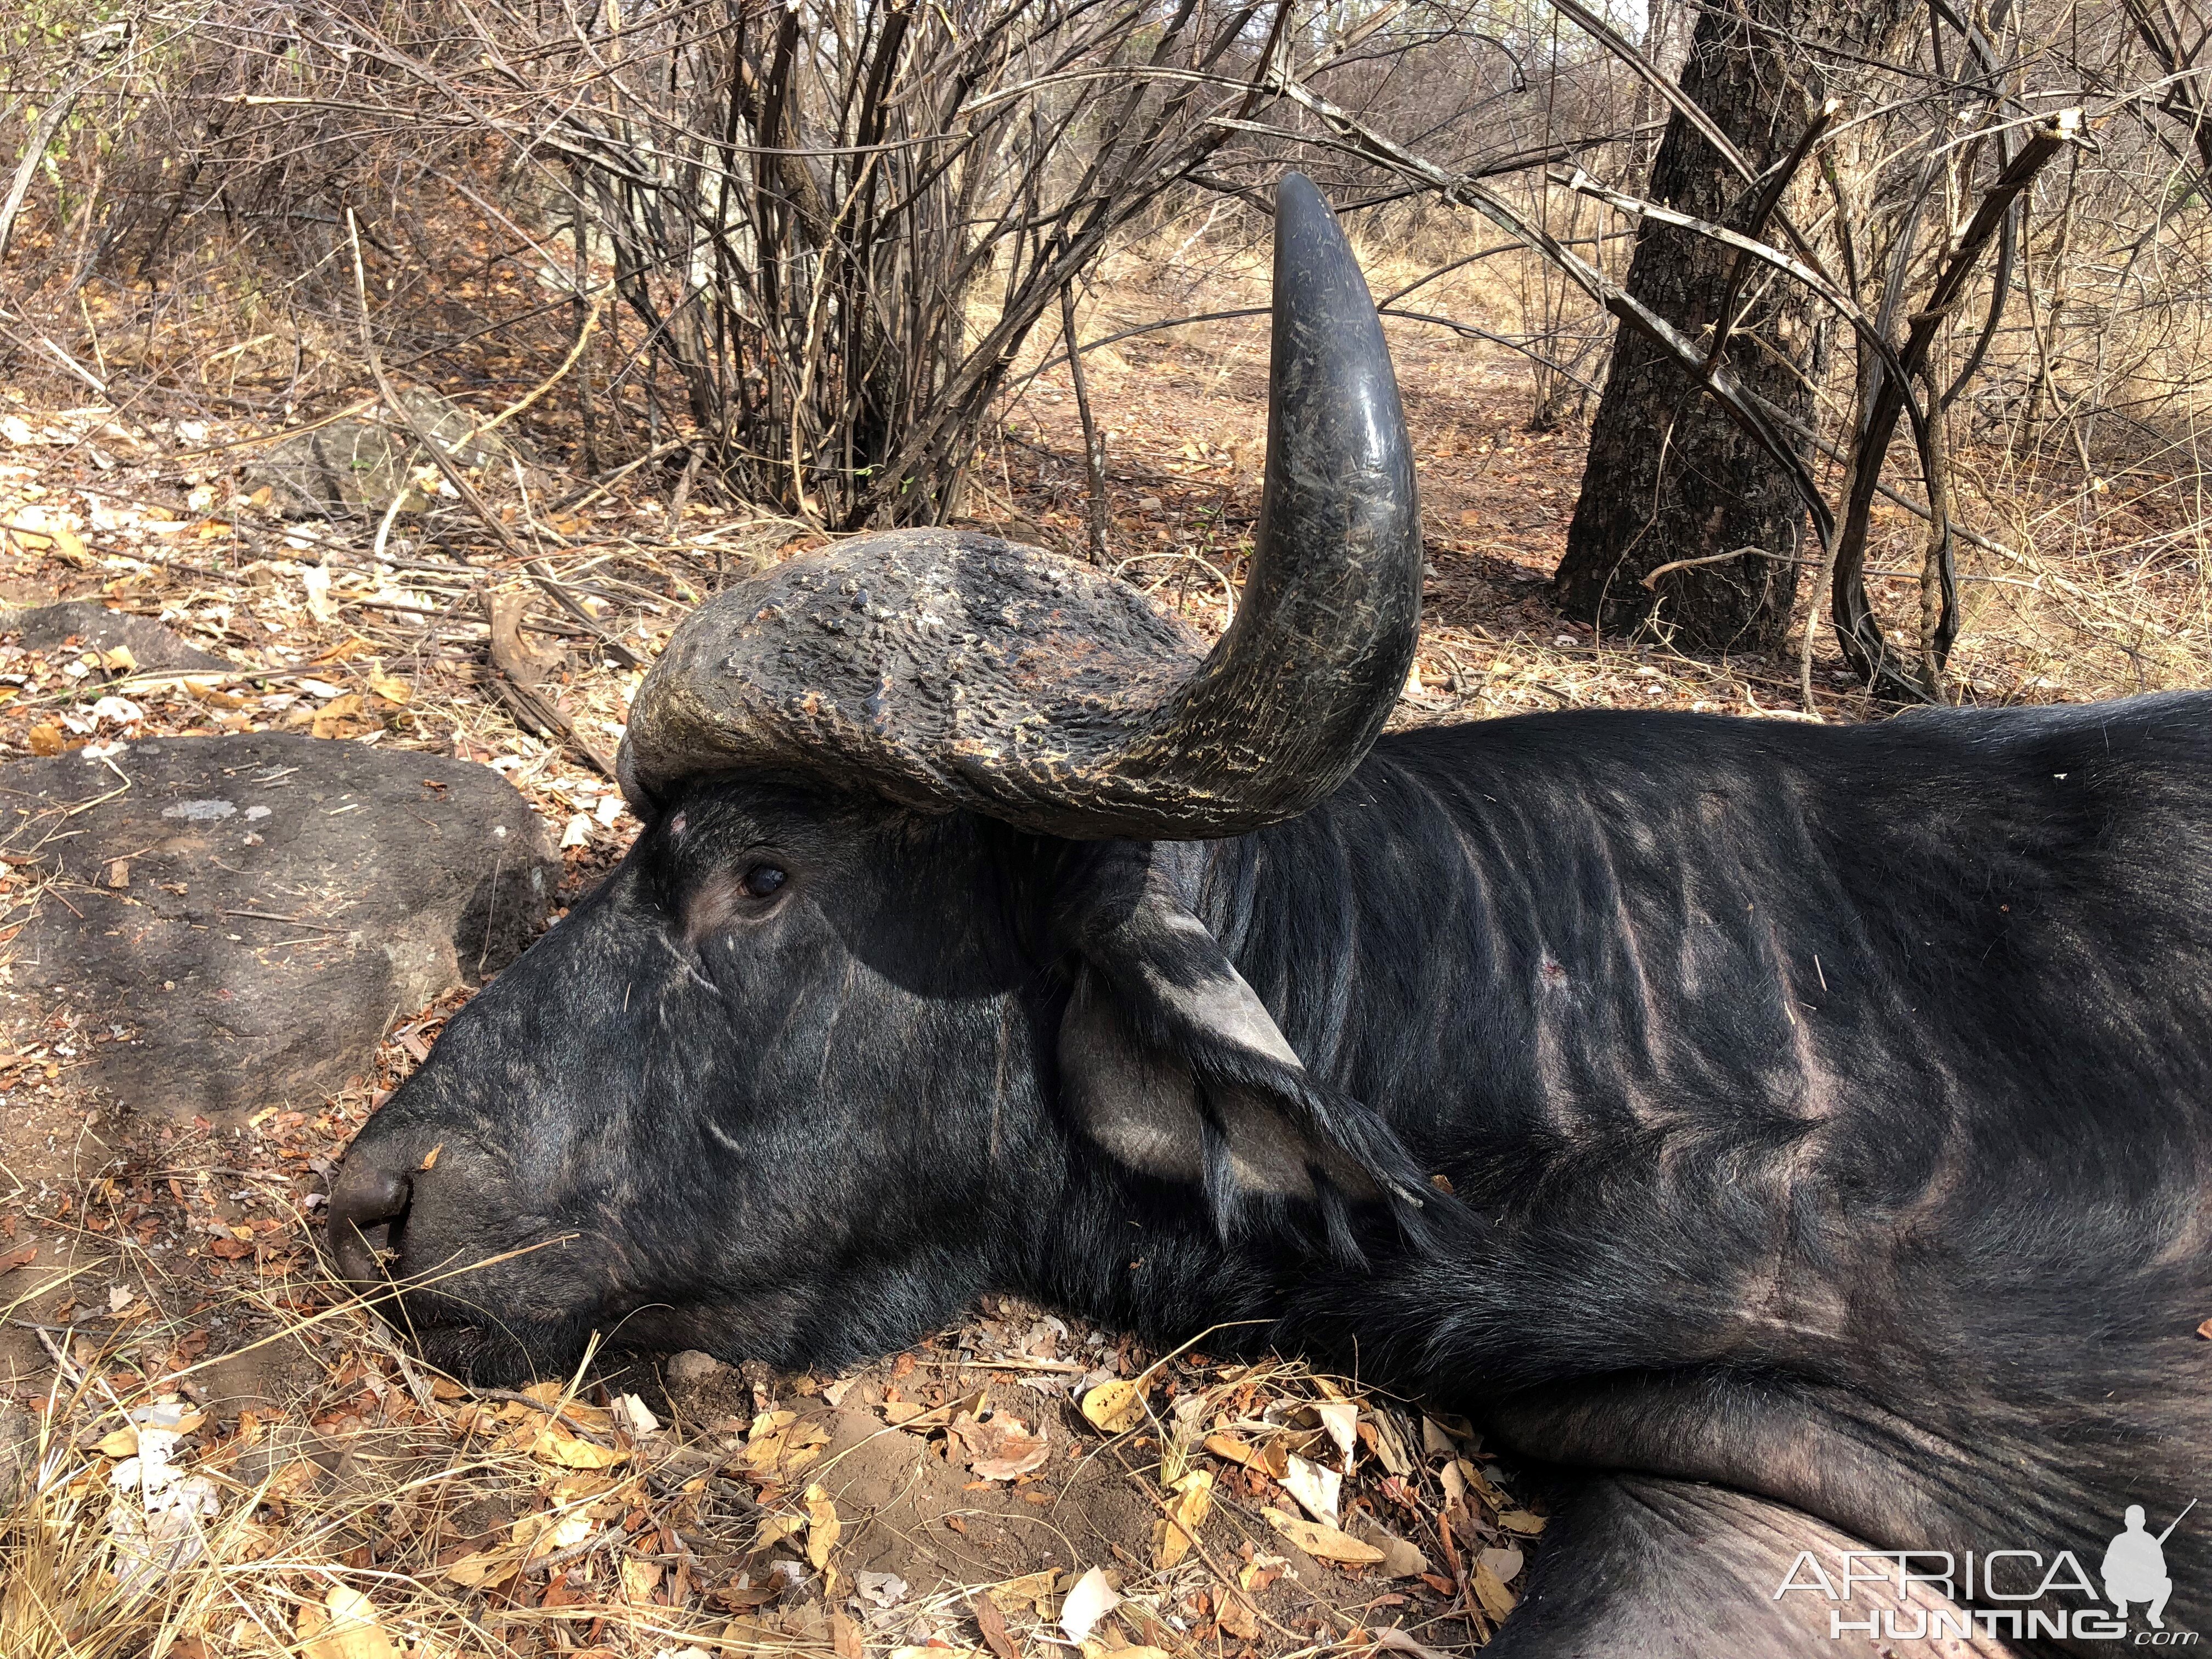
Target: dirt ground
168,1320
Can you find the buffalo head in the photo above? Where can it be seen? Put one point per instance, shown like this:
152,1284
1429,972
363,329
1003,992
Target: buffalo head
909,951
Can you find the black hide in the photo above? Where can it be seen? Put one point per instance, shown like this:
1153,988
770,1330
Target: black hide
1830,1111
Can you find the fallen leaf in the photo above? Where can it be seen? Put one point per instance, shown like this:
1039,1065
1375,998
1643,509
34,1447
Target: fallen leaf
542,1534
120,661
1237,1616
1000,1447
47,740
884,1588
823,1527
20,1257
1522,1521
316,579
1506,1563
1091,1599
2204,1330
1341,1419
1187,1512
1401,1559
1271,1459
1114,1408
638,1580
845,1638
1497,1599
925,1419
123,1442
1318,1490
1032,1590
230,1249
481,1568
348,1628
992,1623
392,689
555,1444
1396,1640
1323,1543
774,1528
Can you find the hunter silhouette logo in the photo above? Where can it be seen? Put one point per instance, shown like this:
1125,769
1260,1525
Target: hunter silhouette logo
2020,1594
2135,1566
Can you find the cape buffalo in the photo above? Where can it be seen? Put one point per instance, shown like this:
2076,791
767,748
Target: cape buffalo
1803,1132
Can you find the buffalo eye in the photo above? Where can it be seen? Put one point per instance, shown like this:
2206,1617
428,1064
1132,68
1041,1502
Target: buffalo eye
761,881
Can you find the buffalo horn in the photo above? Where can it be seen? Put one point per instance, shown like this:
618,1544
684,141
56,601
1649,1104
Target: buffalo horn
947,669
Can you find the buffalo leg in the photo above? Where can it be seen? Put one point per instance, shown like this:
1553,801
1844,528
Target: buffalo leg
1640,1567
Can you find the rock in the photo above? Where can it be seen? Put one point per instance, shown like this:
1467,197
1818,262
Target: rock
702,1389
361,465
239,919
153,647
691,1369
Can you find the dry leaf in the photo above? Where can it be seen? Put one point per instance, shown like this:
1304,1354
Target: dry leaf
481,1568
1000,1447
123,1442
1271,1459
1522,1521
926,1419
1506,1563
555,1444
1187,1511
1323,1543
1032,1590
392,689
1389,1636
1341,1419
1318,1489
992,1623
1401,1559
542,1534
1497,1599
45,739
774,1528
638,1580
346,1628
822,1527
1091,1599
1237,1616
1114,1408
845,1638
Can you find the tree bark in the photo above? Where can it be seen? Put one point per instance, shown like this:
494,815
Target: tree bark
1671,480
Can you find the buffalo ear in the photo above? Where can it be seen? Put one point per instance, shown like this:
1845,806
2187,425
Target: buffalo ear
1171,1062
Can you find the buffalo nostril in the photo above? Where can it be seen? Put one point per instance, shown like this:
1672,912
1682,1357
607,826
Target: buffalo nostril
365,1201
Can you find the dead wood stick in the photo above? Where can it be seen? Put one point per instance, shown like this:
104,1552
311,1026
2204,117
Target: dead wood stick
1094,448
519,677
35,150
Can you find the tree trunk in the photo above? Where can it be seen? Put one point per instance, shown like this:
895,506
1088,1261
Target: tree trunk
1670,479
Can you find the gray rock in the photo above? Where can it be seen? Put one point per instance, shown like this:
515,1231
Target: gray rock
240,918
357,466
153,647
